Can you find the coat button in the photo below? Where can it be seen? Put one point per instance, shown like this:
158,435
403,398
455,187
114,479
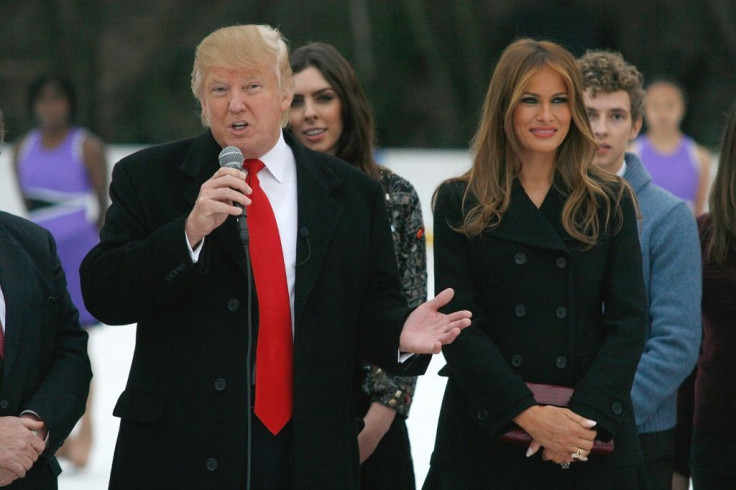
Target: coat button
220,384
482,414
520,258
561,312
516,360
561,262
4,403
616,408
211,464
233,305
520,310
561,362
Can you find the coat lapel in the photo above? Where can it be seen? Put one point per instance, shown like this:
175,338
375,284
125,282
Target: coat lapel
524,223
319,213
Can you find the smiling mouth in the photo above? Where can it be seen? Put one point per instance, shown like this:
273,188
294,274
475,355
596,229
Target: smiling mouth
314,132
239,125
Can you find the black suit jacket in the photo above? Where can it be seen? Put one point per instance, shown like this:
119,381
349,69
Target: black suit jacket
184,408
545,310
45,368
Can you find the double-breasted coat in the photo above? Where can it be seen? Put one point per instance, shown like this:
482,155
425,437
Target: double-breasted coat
183,412
545,310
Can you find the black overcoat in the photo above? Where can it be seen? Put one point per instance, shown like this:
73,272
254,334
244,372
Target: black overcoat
183,412
545,310
45,368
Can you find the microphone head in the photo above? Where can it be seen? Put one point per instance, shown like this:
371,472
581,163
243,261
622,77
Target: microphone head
231,157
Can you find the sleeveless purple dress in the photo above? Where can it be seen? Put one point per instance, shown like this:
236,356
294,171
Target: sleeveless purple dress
677,172
62,200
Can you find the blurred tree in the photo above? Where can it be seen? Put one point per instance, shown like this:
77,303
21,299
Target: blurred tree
425,64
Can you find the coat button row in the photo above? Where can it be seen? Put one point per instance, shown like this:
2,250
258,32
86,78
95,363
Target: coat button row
560,311
211,464
220,384
616,408
517,360
561,362
482,414
4,403
233,305
520,259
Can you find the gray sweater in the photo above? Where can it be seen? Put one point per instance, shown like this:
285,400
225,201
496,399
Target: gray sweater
672,276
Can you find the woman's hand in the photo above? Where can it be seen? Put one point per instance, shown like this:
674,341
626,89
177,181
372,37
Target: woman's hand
565,436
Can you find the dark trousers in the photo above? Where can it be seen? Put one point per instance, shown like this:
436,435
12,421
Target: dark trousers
272,458
659,458
390,466
713,460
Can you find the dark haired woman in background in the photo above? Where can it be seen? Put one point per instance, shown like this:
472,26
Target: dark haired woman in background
62,173
330,114
714,424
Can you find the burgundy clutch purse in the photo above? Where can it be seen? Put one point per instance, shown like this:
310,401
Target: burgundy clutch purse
558,396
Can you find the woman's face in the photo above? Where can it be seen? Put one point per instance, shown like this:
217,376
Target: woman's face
542,116
664,107
316,111
52,108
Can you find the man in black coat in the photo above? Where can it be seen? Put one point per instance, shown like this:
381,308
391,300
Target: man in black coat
170,260
44,368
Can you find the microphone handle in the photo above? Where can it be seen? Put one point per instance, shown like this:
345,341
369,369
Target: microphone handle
243,227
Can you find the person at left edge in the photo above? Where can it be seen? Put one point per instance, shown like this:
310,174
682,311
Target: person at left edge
168,261
44,367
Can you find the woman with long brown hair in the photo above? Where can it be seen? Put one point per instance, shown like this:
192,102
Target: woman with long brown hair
543,248
714,425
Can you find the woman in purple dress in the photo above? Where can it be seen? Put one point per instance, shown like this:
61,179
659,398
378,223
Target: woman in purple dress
675,161
62,174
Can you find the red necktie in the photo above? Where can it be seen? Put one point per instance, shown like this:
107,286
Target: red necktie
274,352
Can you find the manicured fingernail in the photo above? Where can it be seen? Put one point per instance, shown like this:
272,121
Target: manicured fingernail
529,451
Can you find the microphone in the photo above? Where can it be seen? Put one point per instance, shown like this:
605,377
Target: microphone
232,157
304,233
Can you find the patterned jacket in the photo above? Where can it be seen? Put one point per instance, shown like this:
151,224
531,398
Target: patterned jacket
407,228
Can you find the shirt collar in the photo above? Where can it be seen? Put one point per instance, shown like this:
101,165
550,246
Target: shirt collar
277,157
622,170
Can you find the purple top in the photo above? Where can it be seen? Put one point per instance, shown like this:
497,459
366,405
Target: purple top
678,172
56,183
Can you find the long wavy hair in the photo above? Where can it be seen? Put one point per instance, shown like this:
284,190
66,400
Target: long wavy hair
495,148
357,140
723,197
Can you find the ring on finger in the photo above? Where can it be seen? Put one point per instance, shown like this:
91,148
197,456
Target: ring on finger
578,455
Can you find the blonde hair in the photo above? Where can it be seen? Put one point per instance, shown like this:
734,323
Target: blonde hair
243,46
495,148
